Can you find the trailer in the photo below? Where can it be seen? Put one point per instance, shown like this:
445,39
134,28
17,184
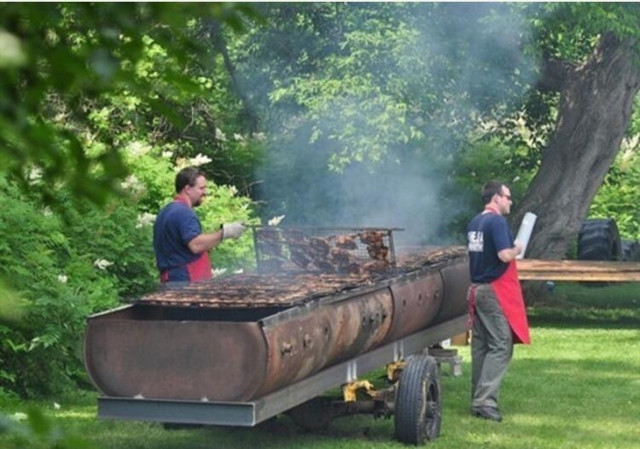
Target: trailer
240,350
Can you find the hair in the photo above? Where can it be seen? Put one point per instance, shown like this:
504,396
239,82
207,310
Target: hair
489,189
187,177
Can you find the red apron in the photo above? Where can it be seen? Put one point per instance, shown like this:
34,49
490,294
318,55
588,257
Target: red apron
509,293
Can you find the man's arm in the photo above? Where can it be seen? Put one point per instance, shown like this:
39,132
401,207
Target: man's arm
508,254
205,242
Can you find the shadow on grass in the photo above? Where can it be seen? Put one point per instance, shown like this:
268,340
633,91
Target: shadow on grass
572,305
281,433
592,318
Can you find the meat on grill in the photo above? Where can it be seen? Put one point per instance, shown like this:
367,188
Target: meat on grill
346,242
262,290
330,254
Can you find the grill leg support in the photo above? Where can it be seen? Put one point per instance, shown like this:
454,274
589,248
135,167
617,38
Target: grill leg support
448,356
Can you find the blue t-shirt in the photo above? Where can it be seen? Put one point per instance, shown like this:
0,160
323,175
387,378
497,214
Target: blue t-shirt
487,235
175,226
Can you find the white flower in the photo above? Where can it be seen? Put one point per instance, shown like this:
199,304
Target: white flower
62,278
12,53
102,264
19,416
260,137
35,174
275,221
167,154
138,148
218,271
131,183
233,190
181,163
220,135
47,212
56,406
238,137
145,219
239,271
200,159
35,342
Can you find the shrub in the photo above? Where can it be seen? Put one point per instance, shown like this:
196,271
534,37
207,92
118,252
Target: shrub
64,268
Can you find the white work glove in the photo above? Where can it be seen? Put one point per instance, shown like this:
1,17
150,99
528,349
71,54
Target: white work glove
232,230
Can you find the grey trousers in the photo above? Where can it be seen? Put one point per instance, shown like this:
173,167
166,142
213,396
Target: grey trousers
491,348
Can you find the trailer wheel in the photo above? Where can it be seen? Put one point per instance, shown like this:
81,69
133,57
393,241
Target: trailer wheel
418,408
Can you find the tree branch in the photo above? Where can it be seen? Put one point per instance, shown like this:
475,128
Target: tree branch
554,74
220,45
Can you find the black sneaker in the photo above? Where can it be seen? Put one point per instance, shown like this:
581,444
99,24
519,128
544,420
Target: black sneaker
487,413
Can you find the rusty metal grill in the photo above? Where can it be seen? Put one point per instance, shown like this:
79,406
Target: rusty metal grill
331,250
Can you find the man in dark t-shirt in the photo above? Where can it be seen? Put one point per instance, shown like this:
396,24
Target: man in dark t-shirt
490,231
180,246
492,251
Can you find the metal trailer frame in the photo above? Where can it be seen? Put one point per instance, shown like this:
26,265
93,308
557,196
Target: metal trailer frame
249,414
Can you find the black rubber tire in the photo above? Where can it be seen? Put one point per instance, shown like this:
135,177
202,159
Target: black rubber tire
599,239
630,251
418,407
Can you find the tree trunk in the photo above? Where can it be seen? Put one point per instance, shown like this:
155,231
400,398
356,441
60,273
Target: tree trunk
595,107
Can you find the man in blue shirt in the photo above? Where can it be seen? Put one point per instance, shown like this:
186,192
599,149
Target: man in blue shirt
180,246
495,299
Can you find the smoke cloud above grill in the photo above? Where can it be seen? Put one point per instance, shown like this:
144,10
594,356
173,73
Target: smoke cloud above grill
383,156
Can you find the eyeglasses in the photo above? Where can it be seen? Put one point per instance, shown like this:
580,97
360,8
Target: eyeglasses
508,197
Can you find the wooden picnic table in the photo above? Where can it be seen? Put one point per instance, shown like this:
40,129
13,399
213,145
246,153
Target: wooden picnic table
577,270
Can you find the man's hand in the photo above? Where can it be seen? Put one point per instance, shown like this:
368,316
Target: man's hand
508,254
518,247
232,230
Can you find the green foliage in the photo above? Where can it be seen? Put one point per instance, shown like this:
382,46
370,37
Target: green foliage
570,31
68,269
483,160
40,431
84,88
619,195
56,271
58,60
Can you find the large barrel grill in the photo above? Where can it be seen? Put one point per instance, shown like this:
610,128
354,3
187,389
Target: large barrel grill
320,298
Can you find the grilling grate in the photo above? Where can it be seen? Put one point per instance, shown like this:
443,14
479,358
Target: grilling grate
324,250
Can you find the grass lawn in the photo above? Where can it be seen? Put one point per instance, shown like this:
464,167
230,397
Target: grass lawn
576,386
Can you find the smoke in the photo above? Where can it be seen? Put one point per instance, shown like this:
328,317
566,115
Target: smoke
394,197
453,62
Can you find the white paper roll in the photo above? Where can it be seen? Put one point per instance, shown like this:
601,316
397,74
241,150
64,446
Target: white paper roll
524,233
